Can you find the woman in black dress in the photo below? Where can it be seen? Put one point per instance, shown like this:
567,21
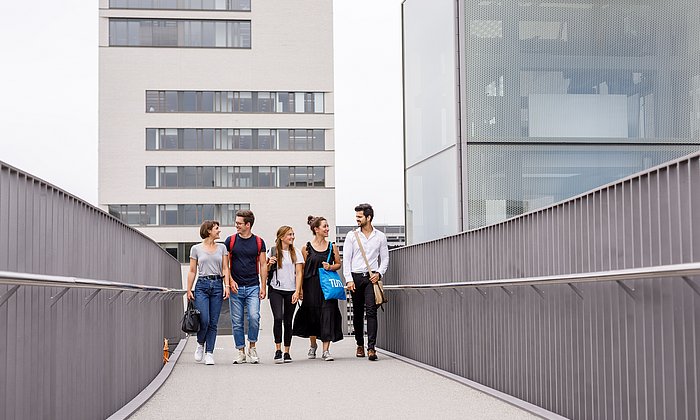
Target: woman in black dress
317,317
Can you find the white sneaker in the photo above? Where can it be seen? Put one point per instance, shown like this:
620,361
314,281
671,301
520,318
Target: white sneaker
253,355
199,353
208,359
312,352
241,357
327,356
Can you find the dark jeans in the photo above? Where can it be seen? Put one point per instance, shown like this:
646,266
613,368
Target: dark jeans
363,302
208,297
282,311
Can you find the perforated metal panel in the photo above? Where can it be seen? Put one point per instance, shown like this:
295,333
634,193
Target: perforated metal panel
618,350
561,97
77,355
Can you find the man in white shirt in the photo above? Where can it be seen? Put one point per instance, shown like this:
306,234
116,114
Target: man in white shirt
359,281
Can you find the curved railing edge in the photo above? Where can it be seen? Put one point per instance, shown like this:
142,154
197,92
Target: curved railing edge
662,271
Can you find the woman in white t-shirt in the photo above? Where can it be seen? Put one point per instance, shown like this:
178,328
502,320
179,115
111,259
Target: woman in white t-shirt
285,287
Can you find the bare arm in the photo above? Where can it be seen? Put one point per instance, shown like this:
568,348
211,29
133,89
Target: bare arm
299,267
225,274
263,275
190,278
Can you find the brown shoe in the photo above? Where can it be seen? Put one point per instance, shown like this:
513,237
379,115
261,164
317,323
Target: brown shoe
360,351
372,354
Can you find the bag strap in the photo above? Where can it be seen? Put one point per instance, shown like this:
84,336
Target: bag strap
231,241
362,250
330,252
258,240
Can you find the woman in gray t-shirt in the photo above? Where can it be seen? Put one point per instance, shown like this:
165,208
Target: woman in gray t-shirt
209,263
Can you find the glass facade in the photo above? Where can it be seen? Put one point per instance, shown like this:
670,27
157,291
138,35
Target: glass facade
234,139
176,214
233,101
554,98
229,5
199,177
179,33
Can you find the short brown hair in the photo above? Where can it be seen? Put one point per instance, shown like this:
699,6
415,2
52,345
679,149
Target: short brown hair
206,228
247,215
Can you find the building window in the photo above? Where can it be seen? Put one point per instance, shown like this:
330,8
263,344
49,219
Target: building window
234,101
234,139
176,214
203,177
227,5
179,33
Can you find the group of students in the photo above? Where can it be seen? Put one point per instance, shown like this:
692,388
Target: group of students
238,269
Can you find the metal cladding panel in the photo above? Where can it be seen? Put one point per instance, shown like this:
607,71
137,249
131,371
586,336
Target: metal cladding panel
613,349
75,355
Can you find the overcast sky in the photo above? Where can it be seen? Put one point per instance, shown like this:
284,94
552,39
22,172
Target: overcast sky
49,111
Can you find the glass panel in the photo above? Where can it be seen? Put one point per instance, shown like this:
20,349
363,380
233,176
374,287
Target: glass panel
508,180
207,213
220,34
283,172
319,142
171,101
208,34
207,177
207,139
283,138
151,134
431,197
245,177
318,103
246,139
168,215
189,215
299,102
207,104
189,139
151,177
430,100
189,177
319,176
189,102
266,139
246,102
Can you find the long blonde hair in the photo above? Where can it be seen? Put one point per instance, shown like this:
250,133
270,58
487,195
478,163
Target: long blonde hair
281,233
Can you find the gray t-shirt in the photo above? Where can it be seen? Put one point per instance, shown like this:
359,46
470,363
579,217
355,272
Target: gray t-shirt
208,264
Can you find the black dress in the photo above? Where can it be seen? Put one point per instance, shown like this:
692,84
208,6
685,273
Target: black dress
317,316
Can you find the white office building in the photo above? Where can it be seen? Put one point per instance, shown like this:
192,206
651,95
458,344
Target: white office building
211,106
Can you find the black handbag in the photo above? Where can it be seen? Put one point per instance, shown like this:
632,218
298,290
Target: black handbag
190,320
273,267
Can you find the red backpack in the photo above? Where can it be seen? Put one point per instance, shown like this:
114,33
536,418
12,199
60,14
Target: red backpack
232,241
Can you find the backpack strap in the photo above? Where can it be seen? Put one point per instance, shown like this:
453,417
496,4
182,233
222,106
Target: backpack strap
258,240
232,240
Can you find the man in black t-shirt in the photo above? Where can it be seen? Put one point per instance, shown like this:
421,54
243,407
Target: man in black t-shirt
248,269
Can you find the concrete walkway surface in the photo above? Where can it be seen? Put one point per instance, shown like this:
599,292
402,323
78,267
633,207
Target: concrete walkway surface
347,388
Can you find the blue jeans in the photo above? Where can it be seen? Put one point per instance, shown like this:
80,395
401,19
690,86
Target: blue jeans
250,297
208,297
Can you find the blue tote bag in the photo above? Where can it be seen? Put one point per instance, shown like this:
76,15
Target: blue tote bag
331,284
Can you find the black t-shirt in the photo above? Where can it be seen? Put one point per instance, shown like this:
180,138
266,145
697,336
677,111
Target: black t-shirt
244,269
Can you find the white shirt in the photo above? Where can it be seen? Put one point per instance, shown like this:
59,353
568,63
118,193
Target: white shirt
285,277
376,248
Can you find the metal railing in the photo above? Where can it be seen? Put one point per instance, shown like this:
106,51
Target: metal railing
666,271
588,308
71,347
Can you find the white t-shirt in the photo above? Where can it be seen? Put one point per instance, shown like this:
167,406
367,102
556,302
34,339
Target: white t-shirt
285,276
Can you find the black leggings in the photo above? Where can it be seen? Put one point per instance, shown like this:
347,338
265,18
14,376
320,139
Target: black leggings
282,311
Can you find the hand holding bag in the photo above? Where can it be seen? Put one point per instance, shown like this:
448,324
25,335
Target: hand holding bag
379,296
190,320
331,284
